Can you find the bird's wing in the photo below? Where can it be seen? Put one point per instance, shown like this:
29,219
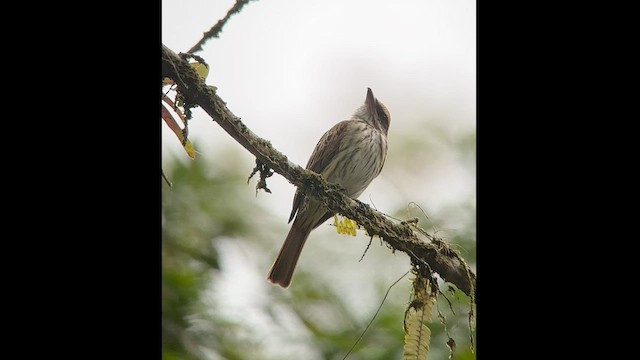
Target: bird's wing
327,148
325,151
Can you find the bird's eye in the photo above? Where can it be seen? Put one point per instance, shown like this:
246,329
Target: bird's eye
382,115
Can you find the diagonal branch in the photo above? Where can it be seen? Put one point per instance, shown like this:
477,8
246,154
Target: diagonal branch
402,236
215,29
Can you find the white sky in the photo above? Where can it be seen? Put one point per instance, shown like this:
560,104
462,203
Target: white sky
292,69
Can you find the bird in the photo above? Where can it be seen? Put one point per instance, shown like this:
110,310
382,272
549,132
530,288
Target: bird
350,154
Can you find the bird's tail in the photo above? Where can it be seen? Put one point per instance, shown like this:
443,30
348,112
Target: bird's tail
283,267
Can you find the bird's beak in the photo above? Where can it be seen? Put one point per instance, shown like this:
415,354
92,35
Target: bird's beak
370,102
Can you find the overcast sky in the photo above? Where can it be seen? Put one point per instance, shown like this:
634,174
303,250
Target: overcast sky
292,69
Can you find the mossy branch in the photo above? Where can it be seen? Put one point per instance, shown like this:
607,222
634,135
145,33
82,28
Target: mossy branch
402,236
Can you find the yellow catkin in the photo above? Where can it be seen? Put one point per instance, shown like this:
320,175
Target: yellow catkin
417,334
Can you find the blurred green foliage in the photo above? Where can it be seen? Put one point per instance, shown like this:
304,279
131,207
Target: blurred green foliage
199,208
210,201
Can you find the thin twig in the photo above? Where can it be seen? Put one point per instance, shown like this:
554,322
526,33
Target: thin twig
215,29
164,176
367,249
374,315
